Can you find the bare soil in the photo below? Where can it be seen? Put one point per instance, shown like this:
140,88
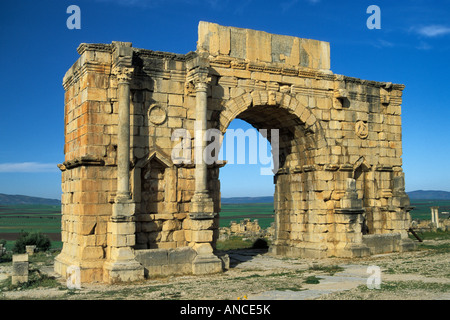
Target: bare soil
255,274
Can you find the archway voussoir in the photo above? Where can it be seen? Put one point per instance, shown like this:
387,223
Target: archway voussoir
224,122
286,101
248,99
263,96
311,120
256,97
293,105
304,115
230,105
279,98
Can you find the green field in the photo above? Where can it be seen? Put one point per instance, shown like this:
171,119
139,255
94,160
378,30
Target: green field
40,218
47,218
422,209
237,212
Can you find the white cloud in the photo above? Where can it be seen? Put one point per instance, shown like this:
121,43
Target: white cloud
384,44
433,30
424,46
28,167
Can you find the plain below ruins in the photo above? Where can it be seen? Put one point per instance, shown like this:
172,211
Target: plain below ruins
130,212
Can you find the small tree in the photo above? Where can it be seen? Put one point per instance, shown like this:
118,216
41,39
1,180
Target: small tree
38,239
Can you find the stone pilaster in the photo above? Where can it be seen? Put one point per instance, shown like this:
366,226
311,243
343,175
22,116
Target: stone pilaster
350,202
350,215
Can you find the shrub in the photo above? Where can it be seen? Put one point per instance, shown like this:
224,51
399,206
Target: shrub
40,240
312,280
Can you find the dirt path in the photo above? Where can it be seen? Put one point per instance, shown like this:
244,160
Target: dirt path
254,274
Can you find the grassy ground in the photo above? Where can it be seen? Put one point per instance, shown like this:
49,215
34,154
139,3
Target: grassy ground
422,209
47,218
420,275
236,212
26,218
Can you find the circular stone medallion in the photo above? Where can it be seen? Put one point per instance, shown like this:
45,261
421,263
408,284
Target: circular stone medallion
156,114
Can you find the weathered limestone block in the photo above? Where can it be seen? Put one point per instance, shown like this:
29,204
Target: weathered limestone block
166,261
123,228
19,269
201,235
206,264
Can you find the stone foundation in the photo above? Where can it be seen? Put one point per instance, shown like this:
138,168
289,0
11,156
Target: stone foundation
388,242
180,261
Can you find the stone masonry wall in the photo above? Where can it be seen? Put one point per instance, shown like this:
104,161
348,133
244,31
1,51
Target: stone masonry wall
340,175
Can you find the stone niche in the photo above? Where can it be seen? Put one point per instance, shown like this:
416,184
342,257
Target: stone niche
131,210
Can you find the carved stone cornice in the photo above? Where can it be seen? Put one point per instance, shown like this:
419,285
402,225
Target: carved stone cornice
81,161
101,47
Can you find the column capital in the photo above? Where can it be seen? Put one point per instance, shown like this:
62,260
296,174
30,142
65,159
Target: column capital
201,79
201,86
123,74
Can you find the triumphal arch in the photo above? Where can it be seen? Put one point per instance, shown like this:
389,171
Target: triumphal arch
130,209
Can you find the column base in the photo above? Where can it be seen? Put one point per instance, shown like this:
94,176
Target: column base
123,208
90,271
122,271
206,264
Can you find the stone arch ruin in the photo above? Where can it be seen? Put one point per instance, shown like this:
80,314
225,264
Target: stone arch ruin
130,211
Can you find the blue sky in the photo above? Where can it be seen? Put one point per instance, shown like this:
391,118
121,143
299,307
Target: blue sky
412,47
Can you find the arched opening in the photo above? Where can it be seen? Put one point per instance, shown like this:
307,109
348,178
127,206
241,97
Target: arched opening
292,145
247,188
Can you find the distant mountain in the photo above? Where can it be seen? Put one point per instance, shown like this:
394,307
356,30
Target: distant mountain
237,200
429,195
8,199
413,195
